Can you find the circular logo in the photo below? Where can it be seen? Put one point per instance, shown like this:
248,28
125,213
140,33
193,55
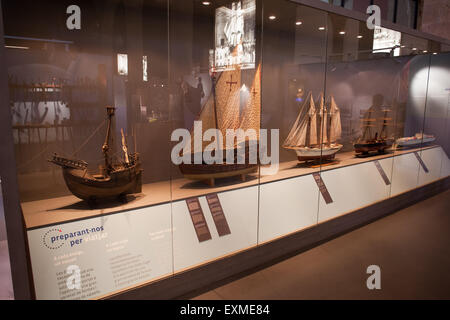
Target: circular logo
51,239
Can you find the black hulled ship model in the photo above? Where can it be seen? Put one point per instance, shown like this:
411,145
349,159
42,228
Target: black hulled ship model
374,140
115,179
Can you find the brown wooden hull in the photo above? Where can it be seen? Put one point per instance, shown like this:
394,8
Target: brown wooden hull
202,171
87,187
369,147
316,158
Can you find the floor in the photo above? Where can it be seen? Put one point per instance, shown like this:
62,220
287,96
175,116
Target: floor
411,247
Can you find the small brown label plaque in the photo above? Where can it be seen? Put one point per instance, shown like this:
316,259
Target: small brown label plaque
323,188
218,215
382,173
419,158
198,219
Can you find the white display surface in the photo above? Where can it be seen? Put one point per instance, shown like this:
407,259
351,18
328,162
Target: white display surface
240,208
445,168
287,206
433,161
405,173
112,253
354,187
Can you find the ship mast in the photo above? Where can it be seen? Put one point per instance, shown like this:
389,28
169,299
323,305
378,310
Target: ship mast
105,147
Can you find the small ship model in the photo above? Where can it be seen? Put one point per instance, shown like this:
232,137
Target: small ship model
370,142
416,141
314,139
115,180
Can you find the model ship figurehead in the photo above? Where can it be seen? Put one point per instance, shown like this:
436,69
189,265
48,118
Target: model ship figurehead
315,133
115,179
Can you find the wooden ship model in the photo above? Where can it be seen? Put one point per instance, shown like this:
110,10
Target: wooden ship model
222,112
114,179
316,131
374,140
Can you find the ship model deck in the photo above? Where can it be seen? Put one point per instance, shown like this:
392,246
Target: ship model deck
114,180
316,131
221,112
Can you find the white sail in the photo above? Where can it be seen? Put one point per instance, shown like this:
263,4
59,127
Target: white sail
335,126
297,135
323,134
312,113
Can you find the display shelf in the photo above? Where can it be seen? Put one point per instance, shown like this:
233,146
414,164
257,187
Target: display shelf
287,206
354,187
111,253
69,208
240,208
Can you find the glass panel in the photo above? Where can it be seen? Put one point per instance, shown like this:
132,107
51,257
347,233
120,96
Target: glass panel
215,74
102,160
360,115
293,67
6,289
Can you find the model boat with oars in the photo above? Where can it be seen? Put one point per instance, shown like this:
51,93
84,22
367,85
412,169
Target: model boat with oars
373,138
416,141
222,112
115,179
316,131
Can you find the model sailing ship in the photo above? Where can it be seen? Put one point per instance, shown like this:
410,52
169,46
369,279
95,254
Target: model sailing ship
416,141
372,140
316,131
222,112
115,179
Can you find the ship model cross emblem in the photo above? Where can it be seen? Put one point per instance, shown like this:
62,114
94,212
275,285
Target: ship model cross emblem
115,179
231,82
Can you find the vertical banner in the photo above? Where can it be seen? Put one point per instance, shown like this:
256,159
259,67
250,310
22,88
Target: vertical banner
419,158
218,215
198,219
382,172
323,188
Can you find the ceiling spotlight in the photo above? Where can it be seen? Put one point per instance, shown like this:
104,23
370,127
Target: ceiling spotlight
342,32
321,28
298,23
359,37
272,17
206,3
425,51
414,49
435,53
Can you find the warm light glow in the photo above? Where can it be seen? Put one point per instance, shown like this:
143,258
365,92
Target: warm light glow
342,32
414,49
17,47
359,37
435,53
272,17
425,51
206,3
321,28
144,68
122,64
298,23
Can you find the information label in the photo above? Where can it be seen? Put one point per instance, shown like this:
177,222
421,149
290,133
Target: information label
218,215
382,172
198,219
323,188
93,258
419,158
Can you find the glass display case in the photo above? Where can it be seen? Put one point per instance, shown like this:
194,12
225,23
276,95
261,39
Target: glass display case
165,135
